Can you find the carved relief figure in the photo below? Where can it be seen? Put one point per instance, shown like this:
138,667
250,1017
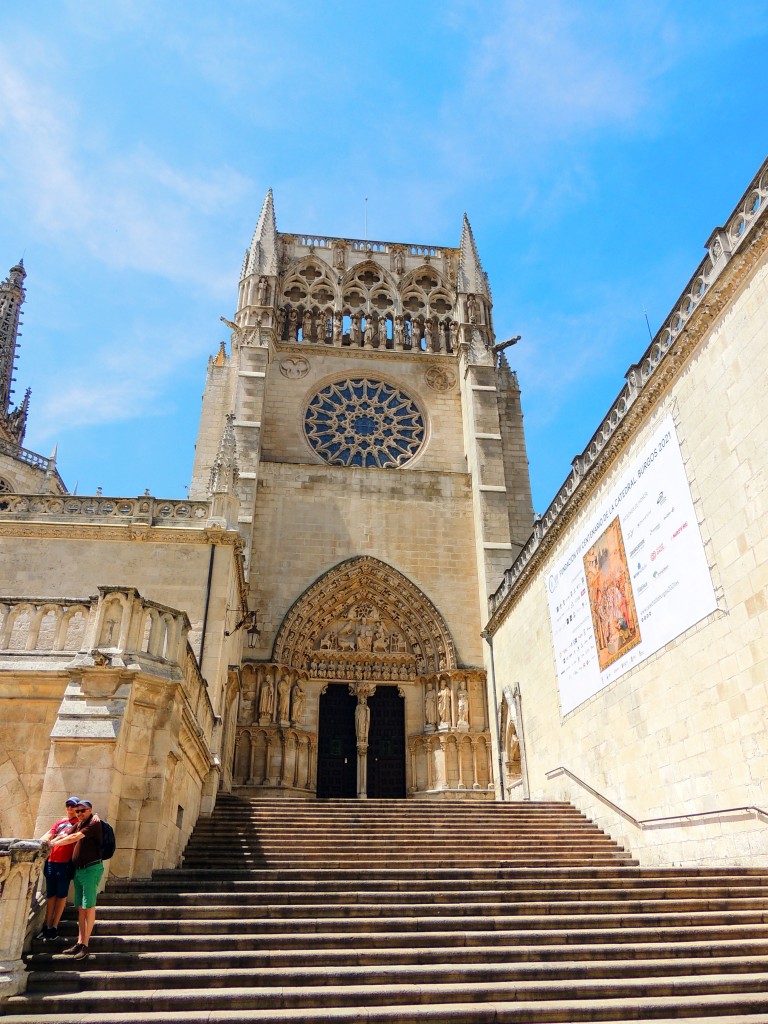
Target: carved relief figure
266,701
283,699
297,703
109,631
444,705
362,721
262,293
430,707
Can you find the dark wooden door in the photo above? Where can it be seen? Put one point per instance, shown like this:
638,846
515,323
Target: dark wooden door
336,744
386,744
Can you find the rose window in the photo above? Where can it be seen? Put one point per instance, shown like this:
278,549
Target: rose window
364,422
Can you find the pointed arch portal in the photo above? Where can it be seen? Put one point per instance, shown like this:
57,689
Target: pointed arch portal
365,620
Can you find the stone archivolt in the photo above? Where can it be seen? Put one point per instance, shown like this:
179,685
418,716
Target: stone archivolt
364,615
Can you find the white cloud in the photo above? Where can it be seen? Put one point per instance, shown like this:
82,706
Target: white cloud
131,210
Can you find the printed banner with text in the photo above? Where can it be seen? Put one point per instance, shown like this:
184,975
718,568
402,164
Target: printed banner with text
636,577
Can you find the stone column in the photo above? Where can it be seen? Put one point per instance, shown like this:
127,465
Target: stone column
21,862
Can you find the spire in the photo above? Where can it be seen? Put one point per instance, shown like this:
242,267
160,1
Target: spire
12,423
472,277
224,472
261,258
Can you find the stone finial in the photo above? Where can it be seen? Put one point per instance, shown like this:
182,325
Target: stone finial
261,257
224,472
13,423
472,277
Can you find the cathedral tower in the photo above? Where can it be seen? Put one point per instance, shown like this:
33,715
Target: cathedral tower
382,489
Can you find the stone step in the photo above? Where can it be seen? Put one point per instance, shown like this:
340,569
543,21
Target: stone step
217,939
425,922
99,979
701,1009
430,907
327,956
410,913
357,996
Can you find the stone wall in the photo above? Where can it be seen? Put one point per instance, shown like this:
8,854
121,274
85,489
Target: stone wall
682,733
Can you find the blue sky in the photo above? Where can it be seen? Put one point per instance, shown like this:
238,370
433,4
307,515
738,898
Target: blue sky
594,146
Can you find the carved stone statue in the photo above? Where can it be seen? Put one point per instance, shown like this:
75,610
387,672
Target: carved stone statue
442,342
320,326
354,329
362,721
368,337
398,333
297,703
266,701
444,705
281,322
382,327
337,328
283,699
472,308
454,335
430,708
399,262
339,254
262,291
415,334
306,326
462,710
428,333
293,325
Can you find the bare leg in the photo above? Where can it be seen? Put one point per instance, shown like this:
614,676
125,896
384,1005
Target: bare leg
85,922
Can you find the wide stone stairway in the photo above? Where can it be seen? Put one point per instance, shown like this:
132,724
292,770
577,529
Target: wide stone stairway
395,911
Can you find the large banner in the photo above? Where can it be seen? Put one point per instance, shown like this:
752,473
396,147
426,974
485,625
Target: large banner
636,577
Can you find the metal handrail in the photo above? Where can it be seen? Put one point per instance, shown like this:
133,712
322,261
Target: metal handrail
649,823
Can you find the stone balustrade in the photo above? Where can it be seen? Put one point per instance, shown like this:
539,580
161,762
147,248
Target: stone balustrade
145,509
21,862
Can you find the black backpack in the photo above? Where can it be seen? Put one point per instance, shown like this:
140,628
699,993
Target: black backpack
108,843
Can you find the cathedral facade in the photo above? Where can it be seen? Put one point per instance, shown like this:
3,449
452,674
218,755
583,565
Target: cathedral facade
355,599
307,622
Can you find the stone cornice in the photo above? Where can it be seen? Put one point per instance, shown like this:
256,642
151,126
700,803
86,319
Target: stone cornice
35,527
733,252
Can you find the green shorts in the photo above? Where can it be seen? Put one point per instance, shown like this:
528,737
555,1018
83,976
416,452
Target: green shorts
87,885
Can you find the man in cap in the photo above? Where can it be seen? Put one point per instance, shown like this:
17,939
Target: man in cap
89,869
57,871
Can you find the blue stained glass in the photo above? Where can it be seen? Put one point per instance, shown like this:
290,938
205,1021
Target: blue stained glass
364,422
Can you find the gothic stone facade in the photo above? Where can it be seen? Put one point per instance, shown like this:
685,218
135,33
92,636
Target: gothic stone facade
382,473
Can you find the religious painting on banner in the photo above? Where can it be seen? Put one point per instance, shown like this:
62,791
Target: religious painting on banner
634,576
611,600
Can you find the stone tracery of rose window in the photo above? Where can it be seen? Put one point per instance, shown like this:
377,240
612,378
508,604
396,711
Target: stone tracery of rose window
364,422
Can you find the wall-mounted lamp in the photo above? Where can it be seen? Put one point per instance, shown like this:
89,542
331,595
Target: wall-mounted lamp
249,620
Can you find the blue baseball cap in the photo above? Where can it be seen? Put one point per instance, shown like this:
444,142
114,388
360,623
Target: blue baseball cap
73,800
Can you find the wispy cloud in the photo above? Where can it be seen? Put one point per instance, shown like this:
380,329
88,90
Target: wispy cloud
129,209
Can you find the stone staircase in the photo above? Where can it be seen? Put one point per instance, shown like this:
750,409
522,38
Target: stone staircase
411,911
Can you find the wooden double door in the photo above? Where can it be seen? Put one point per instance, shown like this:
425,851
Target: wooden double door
337,745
